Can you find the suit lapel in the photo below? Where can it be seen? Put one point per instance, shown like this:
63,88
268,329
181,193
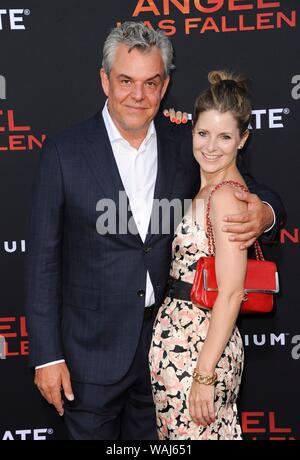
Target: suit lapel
166,170
103,166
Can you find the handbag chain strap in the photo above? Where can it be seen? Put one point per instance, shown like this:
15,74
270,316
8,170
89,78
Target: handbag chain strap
210,234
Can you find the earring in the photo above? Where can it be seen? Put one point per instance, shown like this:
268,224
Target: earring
241,146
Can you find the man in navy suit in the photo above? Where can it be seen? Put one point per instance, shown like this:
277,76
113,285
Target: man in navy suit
91,296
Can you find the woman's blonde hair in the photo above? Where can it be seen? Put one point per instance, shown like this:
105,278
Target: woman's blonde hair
228,92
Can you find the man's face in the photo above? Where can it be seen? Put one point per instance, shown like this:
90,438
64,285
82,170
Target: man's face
134,89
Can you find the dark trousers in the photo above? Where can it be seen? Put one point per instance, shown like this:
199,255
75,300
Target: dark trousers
124,410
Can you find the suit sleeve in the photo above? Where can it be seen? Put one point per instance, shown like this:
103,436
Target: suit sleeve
271,197
43,261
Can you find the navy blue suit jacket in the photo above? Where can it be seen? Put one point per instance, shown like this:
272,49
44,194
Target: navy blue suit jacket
84,291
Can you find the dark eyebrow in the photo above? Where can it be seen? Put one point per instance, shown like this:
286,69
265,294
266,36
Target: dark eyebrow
122,75
155,76
225,132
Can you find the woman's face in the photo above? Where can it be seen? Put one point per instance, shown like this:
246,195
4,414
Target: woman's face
216,139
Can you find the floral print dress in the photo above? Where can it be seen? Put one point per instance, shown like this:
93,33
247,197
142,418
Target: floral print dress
179,332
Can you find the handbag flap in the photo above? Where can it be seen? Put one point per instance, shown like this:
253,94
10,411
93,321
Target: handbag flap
261,275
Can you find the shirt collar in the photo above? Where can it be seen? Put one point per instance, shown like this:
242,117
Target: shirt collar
113,132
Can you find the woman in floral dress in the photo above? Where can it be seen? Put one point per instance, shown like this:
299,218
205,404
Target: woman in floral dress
196,356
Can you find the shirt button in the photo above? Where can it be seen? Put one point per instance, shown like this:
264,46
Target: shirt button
147,249
141,293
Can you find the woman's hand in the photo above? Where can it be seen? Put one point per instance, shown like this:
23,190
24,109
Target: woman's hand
201,403
176,117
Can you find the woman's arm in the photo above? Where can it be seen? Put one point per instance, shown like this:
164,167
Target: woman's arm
231,265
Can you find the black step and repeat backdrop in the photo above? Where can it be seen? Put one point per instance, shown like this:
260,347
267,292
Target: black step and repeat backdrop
50,54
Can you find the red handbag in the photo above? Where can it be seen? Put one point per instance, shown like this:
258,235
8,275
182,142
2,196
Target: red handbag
261,282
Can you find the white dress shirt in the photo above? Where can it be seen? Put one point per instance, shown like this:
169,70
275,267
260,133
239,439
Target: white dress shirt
138,171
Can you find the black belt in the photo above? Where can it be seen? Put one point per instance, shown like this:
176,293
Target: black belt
179,289
176,289
150,312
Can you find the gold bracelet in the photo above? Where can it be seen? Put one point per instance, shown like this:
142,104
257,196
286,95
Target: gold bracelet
205,379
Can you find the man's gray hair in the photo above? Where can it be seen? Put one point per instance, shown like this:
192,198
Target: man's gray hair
137,35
